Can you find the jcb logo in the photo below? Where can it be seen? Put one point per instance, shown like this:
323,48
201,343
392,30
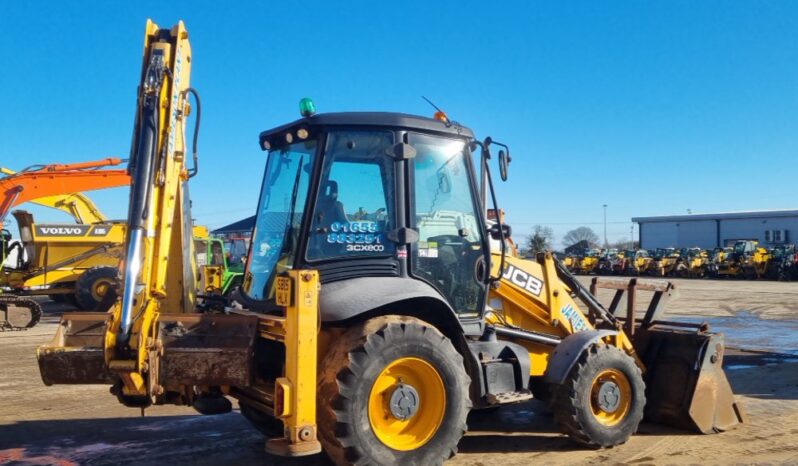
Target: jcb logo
523,279
53,230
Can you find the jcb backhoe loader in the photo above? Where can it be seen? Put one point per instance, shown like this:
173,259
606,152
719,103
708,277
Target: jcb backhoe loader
587,261
692,263
638,263
373,314
783,263
754,259
664,262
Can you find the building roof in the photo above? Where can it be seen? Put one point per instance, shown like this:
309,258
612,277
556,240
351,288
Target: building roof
246,224
718,216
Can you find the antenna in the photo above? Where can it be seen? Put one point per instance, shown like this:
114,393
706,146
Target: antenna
433,105
440,115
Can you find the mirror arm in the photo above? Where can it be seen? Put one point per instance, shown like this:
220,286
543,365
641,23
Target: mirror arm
502,244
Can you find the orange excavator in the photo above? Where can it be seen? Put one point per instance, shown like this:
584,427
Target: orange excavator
61,261
59,185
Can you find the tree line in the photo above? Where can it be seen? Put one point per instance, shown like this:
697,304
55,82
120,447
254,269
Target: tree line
542,239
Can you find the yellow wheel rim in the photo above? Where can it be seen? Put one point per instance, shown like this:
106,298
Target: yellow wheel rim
610,397
405,376
100,288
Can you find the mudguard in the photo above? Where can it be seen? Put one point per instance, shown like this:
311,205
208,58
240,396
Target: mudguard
345,299
568,351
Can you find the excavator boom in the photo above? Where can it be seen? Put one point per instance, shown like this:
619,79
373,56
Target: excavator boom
59,186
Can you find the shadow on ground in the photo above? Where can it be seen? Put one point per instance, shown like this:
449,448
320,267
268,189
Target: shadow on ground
147,440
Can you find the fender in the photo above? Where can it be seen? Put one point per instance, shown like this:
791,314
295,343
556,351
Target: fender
568,351
342,300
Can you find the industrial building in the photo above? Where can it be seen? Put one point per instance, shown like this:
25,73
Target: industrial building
769,227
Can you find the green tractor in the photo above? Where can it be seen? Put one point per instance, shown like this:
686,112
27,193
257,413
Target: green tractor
219,274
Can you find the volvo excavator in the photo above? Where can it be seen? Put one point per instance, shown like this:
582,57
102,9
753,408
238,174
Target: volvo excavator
374,314
63,261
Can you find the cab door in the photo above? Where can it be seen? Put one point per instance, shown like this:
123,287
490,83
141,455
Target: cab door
451,251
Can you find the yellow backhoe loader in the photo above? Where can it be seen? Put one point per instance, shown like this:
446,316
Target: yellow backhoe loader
746,259
638,262
692,263
584,262
373,315
665,260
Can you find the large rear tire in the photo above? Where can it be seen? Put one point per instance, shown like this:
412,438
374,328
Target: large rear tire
92,287
601,402
393,391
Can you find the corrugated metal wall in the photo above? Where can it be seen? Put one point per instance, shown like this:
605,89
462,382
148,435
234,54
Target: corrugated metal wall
755,228
704,234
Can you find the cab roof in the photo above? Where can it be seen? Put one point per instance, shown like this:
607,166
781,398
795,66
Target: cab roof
380,119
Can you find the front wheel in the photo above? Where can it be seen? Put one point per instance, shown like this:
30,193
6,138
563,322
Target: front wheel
393,391
601,402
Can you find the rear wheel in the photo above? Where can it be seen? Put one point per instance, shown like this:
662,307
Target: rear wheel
601,402
93,286
393,391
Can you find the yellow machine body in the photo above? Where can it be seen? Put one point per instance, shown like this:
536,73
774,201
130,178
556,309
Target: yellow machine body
531,296
58,254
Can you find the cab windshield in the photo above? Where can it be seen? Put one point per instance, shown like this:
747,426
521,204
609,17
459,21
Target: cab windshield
279,216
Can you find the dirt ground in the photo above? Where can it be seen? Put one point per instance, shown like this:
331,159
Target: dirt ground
67,425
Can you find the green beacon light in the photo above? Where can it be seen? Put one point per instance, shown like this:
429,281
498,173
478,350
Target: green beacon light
306,107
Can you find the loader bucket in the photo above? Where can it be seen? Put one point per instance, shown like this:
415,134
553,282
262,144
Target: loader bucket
76,354
686,386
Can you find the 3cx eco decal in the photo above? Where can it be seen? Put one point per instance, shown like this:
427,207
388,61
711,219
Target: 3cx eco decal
574,317
357,236
523,279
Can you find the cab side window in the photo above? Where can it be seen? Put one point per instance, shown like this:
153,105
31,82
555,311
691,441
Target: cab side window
355,204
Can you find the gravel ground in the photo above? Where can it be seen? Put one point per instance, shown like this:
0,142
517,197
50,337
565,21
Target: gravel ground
67,425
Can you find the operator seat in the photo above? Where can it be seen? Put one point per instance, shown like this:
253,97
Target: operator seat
329,210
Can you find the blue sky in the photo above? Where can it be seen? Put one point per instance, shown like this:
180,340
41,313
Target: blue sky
649,107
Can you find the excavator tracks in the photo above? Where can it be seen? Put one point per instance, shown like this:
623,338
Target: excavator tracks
18,313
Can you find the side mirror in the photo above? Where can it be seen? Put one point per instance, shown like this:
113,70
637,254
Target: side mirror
504,162
497,230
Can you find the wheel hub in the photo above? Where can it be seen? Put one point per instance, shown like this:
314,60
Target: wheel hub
404,402
609,397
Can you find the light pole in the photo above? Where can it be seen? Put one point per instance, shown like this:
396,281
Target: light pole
606,244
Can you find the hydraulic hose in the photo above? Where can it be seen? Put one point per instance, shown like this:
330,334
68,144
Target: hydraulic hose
193,171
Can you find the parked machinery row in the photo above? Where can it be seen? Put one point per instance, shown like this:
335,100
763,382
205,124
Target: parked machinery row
746,259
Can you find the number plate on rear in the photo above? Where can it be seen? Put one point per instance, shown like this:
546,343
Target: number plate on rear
283,294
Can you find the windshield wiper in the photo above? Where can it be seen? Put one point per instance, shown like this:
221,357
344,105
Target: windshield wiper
289,231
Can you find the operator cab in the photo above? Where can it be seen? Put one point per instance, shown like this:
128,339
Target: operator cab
371,199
